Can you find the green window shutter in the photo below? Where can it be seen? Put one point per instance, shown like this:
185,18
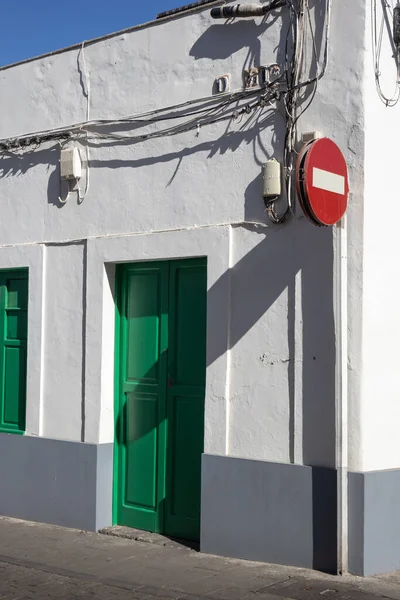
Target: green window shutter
13,349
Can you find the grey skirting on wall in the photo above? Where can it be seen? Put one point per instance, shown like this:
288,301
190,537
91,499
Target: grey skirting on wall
256,510
287,514
58,482
374,522
278,513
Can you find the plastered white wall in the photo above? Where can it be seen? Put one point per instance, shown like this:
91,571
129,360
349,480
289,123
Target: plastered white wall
63,344
271,306
99,405
338,111
380,408
138,187
260,359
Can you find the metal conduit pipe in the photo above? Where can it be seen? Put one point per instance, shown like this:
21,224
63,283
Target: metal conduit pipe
244,10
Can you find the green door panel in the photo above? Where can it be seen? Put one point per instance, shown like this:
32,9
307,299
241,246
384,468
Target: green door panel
14,381
140,410
143,323
160,388
185,396
13,349
141,431
186,446
187,323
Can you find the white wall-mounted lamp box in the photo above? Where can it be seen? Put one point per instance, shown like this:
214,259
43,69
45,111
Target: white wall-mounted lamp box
308,136
70,163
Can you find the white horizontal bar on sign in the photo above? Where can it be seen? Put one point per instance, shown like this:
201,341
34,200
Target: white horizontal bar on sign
325,180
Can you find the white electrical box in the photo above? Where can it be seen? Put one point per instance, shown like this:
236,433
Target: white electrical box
70,163
308,136
271,179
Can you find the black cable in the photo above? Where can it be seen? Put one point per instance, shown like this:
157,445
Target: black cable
245,10
36,139
290,107
377,49
180,128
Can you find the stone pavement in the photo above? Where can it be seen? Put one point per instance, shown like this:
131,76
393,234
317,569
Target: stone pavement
45,562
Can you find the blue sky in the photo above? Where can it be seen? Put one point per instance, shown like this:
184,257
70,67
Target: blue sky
32,27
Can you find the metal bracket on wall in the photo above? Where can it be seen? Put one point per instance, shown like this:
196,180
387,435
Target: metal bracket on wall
251,77
258,76
222,84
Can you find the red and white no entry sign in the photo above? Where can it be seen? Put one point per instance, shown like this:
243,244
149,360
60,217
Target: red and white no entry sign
322,181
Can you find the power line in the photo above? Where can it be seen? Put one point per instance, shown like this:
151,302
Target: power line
377,35
190,115
292,100
209,104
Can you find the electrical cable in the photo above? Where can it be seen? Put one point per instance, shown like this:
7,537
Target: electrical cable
293,73
191,125
315,85
205,114
245,10
291,100
65,133
81,197
377,41
195,114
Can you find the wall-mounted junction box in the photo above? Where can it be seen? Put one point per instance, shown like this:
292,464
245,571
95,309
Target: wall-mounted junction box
70,163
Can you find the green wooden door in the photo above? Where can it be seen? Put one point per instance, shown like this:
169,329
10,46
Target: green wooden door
161,333
13,349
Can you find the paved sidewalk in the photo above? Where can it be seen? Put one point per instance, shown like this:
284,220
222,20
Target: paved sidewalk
41,561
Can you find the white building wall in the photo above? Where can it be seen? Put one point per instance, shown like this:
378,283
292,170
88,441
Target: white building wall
63,347
275,301
380,408
272,396
128,74
259,419
338,112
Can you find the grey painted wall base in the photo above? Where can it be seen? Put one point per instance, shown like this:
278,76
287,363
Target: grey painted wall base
269,512
374,522
57,482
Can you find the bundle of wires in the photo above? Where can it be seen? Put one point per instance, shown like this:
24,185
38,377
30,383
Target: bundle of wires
191,114
289,87
300,30
377,41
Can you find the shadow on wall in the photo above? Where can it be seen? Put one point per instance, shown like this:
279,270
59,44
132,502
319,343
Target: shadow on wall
257,281
279,256
248,132
222,40
283,254
15,165
297,259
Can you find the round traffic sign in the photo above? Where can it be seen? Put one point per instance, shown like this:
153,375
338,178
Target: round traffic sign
322,181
